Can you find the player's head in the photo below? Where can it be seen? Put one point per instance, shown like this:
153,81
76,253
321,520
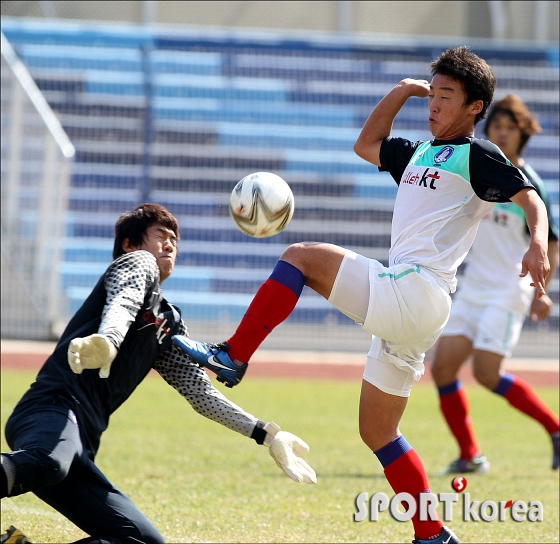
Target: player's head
477,80
510,124
150,227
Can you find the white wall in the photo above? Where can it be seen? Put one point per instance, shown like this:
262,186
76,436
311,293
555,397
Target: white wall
421,17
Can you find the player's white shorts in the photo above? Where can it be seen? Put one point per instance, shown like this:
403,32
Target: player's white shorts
404,307
488,328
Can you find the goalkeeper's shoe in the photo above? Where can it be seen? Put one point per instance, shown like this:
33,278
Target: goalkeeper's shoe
555,450
214,357
13,536
478,465
447,536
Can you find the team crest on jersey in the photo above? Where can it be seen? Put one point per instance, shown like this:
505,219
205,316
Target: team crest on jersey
443,155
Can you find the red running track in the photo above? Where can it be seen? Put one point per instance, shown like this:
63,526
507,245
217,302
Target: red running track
307,368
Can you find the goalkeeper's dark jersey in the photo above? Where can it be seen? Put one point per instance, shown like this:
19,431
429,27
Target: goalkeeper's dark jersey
141,329
127,306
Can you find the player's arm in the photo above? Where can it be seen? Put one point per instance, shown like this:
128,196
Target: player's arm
541,308
553,257
535,261
126,282
192,382
380,122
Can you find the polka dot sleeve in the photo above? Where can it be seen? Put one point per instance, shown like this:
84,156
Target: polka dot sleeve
128,280
191,382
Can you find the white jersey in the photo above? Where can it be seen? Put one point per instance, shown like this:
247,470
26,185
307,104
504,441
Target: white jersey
445,189
494,262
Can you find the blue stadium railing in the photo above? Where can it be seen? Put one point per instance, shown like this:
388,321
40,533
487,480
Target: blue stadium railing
180,118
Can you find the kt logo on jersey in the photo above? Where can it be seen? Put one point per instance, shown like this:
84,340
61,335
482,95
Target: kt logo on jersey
426,179
159,322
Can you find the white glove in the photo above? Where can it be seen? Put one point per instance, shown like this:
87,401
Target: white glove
283,447
94,351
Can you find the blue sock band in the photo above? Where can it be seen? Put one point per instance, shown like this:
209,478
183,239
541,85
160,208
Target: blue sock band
393,450
289,276
504,385
448,389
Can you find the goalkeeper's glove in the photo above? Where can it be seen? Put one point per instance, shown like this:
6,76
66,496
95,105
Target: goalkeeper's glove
94,351
283,447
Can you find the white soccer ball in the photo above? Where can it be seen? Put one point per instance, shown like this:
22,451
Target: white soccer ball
261,204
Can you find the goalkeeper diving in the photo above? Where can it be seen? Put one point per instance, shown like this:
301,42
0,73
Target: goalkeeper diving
119,334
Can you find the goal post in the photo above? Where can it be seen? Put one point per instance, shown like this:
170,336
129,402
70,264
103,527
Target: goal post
36,156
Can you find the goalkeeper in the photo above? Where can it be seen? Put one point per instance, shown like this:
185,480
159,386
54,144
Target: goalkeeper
120,333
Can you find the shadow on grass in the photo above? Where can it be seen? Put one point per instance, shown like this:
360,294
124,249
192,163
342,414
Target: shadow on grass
369,476
337,475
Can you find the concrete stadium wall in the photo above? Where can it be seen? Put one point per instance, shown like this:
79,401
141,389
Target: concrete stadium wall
522,20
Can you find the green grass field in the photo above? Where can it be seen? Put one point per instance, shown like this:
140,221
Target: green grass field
199,482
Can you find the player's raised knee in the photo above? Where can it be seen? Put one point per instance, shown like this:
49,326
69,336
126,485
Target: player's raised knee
294,253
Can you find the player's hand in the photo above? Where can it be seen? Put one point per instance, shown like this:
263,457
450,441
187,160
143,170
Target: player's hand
535,262
91,352
416,87
284,448
541,308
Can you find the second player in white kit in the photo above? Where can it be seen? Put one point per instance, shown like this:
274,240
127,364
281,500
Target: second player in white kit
493,301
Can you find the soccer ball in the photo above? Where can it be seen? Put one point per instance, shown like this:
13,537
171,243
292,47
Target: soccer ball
261,204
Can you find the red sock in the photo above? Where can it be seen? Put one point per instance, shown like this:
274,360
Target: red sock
454,405
273,303
405,473
522,396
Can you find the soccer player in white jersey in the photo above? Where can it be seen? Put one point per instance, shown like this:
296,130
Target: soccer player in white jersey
493,301
446,186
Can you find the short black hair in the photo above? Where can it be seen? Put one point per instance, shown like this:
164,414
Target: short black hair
134,225
477,78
